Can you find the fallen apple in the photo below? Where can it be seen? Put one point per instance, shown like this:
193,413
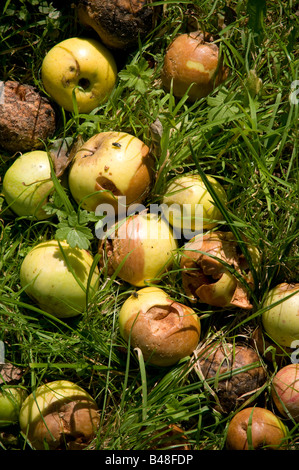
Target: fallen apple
190,207
285,391
213,266
111,167
79,66
164,330
256,428
140,249
11,399
27,184
56,277
280,317
192,60
59,415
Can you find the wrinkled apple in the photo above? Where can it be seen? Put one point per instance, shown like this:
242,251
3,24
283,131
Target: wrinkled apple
59,415
79,66
164,330
111,167
27,184
285,391
140,249
281,315
11,399
56,277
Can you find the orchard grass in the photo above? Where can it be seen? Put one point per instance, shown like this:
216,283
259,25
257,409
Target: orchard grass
245,134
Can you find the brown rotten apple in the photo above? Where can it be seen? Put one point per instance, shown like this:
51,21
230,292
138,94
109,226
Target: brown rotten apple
205,274
192,60
234,372
164,330
256,428
110,166
140,249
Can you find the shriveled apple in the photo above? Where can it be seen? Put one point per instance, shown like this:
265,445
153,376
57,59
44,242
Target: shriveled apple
285,391
164,330
212,265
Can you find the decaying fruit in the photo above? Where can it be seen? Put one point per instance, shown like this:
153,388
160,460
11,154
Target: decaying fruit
234,372
27,119
56,277
119,23
165,331
59,415
256,428
192,60
141,248
285,391
212,265
111,167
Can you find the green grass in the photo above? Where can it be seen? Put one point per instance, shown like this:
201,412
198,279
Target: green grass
244,137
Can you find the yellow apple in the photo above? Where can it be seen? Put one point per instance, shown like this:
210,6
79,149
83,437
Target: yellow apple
79,62
27,184
11,399
110,166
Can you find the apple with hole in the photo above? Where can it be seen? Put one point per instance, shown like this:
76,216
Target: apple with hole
27,184
59,415
56,276
164,330
139,250
256,428
11,399
189,205
82,66
113,168
285,391
280,317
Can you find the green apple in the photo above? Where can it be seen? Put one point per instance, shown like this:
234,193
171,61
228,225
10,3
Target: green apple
256,428
79,62
165,331
56,277
109,167
281,315
140,250
27,184
59,415
196,209
11,399
285,391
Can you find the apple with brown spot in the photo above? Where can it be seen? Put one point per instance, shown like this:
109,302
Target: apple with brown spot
285,391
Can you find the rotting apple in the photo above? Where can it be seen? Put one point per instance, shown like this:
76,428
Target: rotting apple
285,391
280,316
188,193
11,399
192,60
82,66
140,249
110,166
59,278
59,415
212,268
256,428
27,184
164,330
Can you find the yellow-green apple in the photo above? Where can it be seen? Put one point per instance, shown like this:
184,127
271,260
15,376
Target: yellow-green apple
56,276
256,428
164,330
280,315
212,266
285,391
111,167
140,249
59,415
11,399
80,65
189,205
192,64
27,184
